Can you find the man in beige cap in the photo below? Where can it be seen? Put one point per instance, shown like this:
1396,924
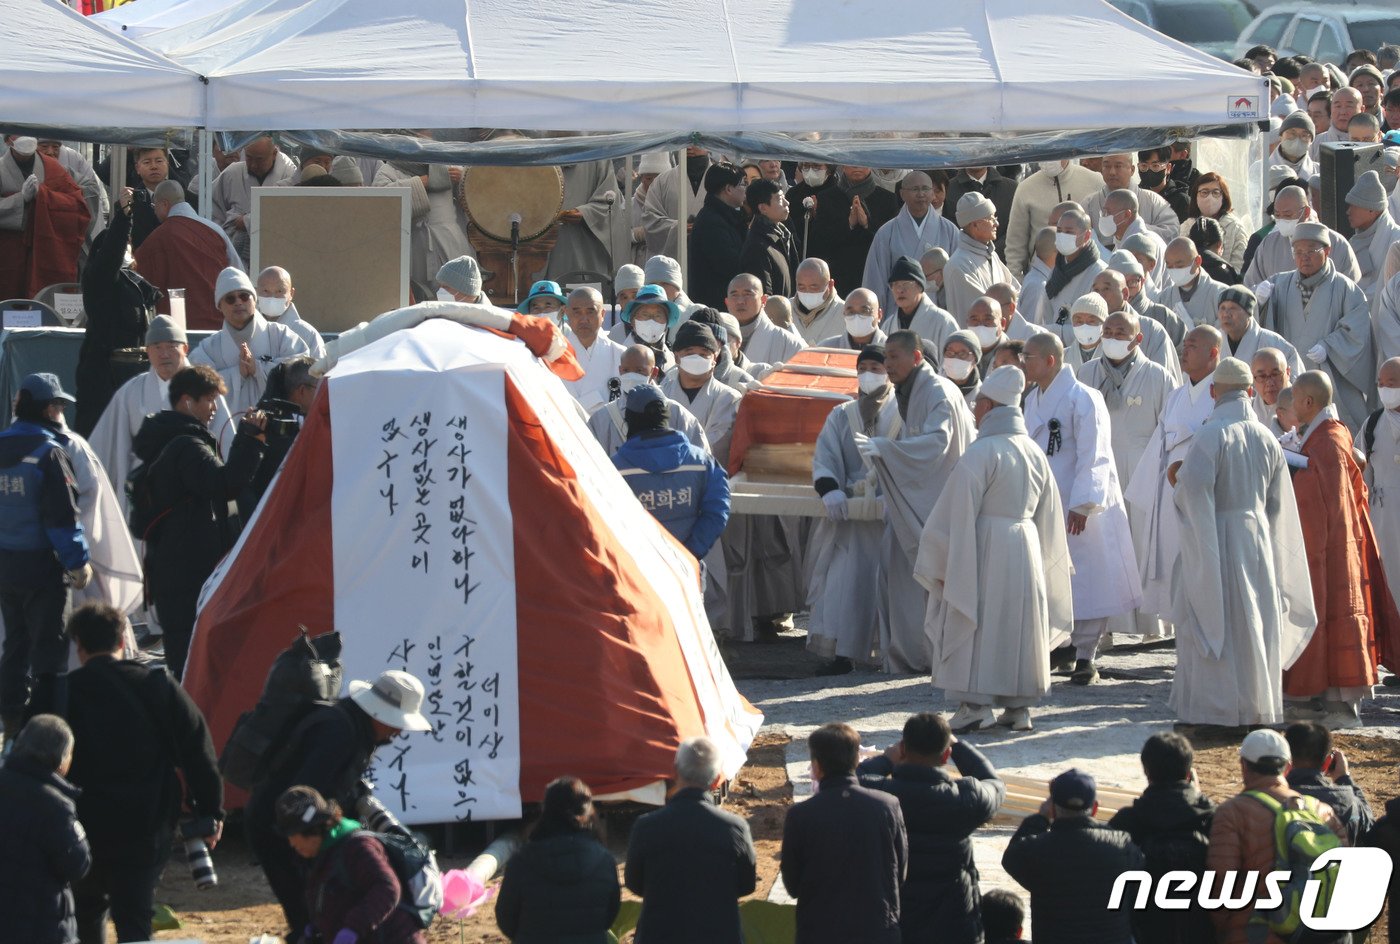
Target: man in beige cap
1326,317
330,750
1243,605
995,612
974,265
248,346
1373,231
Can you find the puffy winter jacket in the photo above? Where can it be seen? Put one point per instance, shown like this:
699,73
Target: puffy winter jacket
559,890
42,852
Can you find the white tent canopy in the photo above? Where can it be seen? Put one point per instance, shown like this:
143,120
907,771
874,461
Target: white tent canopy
978,66
61,70
138,19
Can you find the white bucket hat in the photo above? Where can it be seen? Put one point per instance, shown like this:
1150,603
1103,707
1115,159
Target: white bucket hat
394,699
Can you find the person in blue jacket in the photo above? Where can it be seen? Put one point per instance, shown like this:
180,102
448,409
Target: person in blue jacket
683,487
42,548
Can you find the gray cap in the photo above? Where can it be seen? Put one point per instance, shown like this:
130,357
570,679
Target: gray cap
629,277
462,275
347,170
1121,260
968,339
663,269
1313,231
1368,193
1140,242
164,328
1298,121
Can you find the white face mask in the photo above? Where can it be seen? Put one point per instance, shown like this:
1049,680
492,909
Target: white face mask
1390,397
1088,335
1285,227
987,336
1180,276
1115,349
871,382
1066,244
956,369
1293,148
629,382
697,365
649,331
1210,206
272,307
1052,168
814,177
1108,227
445,295
860,326
811,300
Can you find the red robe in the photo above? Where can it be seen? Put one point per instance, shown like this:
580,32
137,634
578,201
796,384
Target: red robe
46,251
184,253
1357,623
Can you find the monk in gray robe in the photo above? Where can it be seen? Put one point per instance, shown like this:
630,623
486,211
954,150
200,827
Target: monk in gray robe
263,165
1244,338
917,228
1275,253
594,235
913,310
1189,291
663,202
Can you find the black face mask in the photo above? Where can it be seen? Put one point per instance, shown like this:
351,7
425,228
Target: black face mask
1152,179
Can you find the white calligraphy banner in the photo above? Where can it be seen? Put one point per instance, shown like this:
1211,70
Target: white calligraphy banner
425,569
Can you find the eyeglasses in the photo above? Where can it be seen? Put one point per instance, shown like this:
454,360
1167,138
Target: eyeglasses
1306,253
1210,193
1157,165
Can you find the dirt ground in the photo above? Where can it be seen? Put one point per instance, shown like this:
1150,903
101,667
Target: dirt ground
242,906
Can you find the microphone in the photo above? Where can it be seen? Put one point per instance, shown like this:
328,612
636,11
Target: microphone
809,202
515,220
610,197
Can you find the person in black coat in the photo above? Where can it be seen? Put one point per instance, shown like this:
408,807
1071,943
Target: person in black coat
42,847
814,181
193,488
1386,835
939,899
329,750
690,861
562,884
717,240
769,254
1321,772
1069,863
845,853
989,182
1170,823
847,217
136,733
119,305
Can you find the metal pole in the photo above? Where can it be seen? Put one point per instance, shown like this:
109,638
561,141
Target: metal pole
206,173
116,171
682,212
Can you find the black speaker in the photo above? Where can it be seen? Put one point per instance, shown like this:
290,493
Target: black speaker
1341,163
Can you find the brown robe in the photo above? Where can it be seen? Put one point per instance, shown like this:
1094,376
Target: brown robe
1357,623
45,252
184,253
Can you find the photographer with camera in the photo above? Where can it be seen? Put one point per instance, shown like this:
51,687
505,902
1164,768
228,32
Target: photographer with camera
186,498
137,734
291,389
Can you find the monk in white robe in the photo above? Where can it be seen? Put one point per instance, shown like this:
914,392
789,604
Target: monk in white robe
997,609
116,565
843,593
1150,488
1189,291
912,467
860,321
1326,317
637,365
276,303
917,228
1380,443
1070,423
439,225
1135,391
817,310
1275,252
1156,212
764,344
1135,295
974,265
594,233
598,355
248,346
1157,346
143,395
663,202
1244,605
263,165
913,310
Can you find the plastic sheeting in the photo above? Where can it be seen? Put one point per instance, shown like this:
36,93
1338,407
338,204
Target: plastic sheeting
980,66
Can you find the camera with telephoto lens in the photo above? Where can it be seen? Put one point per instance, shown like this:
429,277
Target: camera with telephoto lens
283,418
143,197
192,833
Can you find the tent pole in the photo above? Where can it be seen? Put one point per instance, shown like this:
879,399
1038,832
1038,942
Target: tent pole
682,212
116,170
206,173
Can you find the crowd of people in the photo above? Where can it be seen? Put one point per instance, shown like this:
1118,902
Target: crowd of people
1094,401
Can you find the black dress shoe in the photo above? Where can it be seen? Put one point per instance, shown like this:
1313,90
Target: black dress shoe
838,666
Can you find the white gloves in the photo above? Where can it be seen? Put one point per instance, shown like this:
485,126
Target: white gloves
81,577
29,188
1263,290
837,506
1317,353
867,447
